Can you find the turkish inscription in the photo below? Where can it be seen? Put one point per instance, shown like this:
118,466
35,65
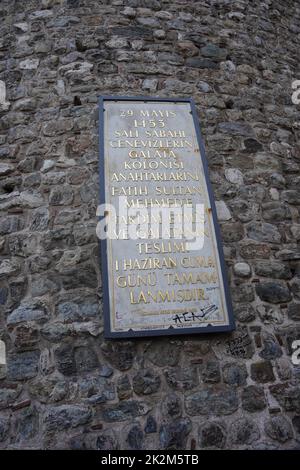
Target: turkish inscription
164,274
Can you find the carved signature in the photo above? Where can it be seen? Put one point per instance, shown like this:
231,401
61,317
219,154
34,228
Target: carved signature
192,316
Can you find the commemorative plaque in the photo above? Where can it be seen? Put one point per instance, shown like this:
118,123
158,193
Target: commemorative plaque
162,260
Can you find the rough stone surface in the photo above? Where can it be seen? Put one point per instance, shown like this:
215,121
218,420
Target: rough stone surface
273,292
253,398
221,400
146,382
279,429
244,431
212,435
64,386
262,372
174,435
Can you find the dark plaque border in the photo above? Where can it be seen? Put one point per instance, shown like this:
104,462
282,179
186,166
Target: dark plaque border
106,308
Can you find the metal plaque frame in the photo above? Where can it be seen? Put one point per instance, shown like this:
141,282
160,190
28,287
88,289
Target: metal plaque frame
108,333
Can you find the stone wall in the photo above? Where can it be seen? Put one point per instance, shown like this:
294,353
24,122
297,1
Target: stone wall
64,385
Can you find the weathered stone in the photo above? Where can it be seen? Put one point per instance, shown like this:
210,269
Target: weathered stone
29,311
25,336
242,293
270,314
61,196
276,212
262,372
39,14
8,268
273,292
242,269
23,245
85,359
187,48
238,345
60,126
272,269
271,349
235,374
263,232
245,313
105,371
65,360
65,417
256,250
287,396
23,366
124,411
296,424
182,378
84,275
27,425
44,285
146,382
106,441
55,332
83,309
150,84
159,34
232,232
171,406
8,394
199,63
236,128
214,52
219,400
40,219
10,224
204,86
164,353
283,367
274,194
96,390
4,428
4,104
264,161
18,289
29,64
135,437
291,196
47,165
253,398
295,287
234,176
244,210
223,212
151,425
116,42
174,435
211,372
212,435
279,429
124,388
3,295
252,146
244,431
120,354
129,12
294,311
